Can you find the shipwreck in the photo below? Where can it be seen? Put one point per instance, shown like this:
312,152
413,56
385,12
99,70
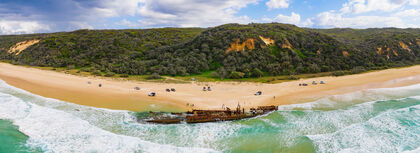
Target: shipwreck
203,116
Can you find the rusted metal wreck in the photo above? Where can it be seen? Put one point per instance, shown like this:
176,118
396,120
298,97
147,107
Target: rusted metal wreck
202,116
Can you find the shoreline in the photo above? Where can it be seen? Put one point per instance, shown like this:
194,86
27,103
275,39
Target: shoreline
121,95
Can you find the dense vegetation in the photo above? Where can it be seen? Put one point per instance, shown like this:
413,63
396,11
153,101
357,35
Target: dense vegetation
227,51
120,51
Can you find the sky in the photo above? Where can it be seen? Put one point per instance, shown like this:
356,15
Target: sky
39,16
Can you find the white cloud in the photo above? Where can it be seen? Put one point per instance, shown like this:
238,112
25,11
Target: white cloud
191,13
332,19
294,18
307,23
112,8
371,13
79,25
125,22
409,13
69,15
63,15
20,27
277,4
73,14
414,2
362,6
411,17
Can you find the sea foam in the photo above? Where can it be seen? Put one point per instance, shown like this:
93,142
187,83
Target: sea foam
390,131
339,123
54,130
363,96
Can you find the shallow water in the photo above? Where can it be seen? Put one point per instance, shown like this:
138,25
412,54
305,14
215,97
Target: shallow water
379,120
11,139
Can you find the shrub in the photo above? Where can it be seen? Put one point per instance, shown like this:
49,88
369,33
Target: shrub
70,67
325,68
314,68
214,75
109,74
236,75
97,73
292,77
14,62
222,72
124,75
257,73
154,76
358,70
85,69
338,73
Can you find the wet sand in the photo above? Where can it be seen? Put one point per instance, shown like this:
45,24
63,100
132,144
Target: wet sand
120,94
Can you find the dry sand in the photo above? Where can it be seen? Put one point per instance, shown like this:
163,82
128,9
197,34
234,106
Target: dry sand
120,94
21,46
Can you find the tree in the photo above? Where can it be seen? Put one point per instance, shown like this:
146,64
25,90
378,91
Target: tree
214,75
173,51
97,73
314,68
124,75
109,74
257,73
358,69
222,73
236,75
154,76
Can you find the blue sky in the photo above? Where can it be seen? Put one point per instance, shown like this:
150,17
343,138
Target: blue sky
34,16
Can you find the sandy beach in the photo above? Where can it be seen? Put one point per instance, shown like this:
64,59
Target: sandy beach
120,94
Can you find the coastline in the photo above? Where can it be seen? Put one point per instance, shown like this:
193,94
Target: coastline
121,95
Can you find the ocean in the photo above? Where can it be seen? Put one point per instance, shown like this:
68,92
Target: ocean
376,120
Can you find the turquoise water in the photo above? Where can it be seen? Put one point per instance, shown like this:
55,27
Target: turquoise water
11,139
379,120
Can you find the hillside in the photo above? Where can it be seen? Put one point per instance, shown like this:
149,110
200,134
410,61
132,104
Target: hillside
228,51
101,49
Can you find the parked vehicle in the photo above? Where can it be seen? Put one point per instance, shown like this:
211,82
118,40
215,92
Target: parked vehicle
152,94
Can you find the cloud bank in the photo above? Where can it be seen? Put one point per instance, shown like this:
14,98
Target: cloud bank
33,16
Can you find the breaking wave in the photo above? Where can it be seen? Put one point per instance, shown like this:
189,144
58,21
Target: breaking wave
53,126
377,120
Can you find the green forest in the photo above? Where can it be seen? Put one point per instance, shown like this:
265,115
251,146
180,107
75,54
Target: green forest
228,51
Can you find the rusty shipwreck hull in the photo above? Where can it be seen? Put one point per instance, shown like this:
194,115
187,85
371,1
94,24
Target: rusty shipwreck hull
203,116
204,119
166,120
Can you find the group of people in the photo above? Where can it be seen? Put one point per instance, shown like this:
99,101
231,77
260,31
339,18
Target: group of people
313,82
99,85
169,90
207,89
152,94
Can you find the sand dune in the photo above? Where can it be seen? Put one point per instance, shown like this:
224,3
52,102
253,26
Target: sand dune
120,94
21,46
